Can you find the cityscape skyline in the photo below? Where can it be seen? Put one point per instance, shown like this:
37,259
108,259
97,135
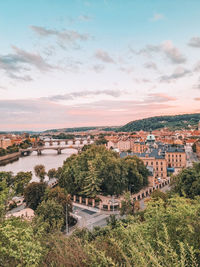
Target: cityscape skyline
97,63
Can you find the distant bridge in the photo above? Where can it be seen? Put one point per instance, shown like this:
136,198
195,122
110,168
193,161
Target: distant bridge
77,141
28,151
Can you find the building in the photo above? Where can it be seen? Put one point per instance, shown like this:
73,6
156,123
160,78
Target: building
138,147
154,160
124,144
175,156
26,214
5,142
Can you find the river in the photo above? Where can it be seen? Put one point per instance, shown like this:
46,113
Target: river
49,158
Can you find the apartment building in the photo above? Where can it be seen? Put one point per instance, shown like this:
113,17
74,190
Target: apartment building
175,156
153,160
5,142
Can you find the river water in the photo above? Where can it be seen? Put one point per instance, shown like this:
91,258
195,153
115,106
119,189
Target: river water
49,158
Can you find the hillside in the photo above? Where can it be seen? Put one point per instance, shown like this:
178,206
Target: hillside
153,123
83,129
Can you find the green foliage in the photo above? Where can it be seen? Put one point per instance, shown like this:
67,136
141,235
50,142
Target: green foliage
3,152
18,244
50,215
92,182
168,235
9,150
34,194
51,173
4,197
40,171
128,205
112,221
97,169
173,122
101,140
63,136
187,182
25,144
21,180
60,196
8,177
157,194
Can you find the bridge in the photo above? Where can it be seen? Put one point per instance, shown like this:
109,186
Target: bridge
77,141
58,145
28,151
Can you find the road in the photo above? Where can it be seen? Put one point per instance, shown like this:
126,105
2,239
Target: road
191,156
89,218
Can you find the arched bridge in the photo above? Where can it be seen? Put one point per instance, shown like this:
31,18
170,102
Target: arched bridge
28,151
58,142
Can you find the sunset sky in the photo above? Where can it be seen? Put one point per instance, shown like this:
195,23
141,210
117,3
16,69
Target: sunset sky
67,63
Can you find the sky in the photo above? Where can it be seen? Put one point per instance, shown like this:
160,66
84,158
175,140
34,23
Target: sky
72,63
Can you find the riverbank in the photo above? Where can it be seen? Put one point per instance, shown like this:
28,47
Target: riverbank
9,158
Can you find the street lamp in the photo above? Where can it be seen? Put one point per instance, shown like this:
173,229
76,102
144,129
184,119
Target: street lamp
67,226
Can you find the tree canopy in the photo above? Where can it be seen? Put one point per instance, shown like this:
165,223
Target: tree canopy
173,122
97,170
34,194
187,182
40,172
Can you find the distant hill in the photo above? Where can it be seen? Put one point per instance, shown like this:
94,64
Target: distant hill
82,129
153,123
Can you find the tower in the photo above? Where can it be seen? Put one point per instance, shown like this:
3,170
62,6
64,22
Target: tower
199,126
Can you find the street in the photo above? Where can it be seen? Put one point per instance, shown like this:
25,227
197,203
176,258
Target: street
90,217
191,156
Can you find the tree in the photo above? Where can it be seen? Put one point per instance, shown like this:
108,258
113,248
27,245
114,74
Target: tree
34,193
8,177
51,173
4,197
92,182
128,205
111,174
58,194
157,194
112,221
21,180
19,246
50,215
40,171
101,140
187,182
